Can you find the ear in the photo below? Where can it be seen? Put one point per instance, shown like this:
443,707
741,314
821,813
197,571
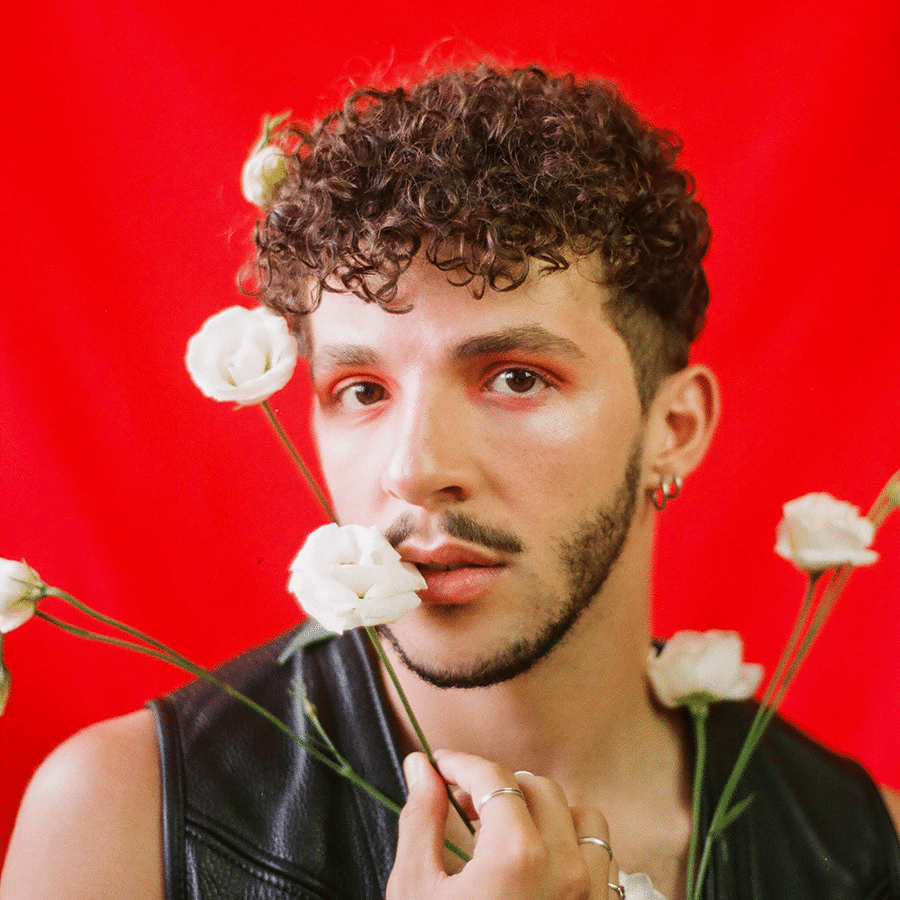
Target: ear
680,424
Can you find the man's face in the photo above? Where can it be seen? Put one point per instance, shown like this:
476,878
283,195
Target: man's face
497,443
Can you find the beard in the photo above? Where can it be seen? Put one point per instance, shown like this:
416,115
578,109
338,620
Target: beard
588,554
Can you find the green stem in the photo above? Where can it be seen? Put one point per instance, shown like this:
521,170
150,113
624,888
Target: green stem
701,871
699,713
379,649
298,459
886,501
311,714
824,607
198,671
776,687
172,655
161,652
791,644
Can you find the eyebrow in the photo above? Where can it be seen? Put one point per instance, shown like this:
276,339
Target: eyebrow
523,339
342,356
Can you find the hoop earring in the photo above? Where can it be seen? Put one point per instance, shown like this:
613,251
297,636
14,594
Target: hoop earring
669,488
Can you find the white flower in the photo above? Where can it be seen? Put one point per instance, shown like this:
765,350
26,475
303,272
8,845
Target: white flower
818,532
347,576
262,175
639,887
242,355
20,590
695,667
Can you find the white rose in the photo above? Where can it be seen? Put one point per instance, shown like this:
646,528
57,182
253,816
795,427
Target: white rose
20,590
347,576
242,355
818,532
639,887
262,175
702,667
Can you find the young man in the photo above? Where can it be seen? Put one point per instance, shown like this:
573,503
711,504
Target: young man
496,278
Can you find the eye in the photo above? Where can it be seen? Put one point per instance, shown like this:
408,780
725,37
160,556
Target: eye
517,381
360,394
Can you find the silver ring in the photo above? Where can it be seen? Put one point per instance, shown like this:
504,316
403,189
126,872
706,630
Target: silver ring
599,842
617,888
497,793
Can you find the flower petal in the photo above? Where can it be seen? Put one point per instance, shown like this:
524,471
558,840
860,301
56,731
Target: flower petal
242,355
819,532
347,576
702,667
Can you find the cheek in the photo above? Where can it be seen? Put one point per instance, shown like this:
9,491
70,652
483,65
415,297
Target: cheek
561,455
336,459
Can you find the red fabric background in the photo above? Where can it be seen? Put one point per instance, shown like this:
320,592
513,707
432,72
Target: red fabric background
127,124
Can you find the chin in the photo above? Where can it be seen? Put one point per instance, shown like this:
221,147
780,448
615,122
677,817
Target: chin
443,668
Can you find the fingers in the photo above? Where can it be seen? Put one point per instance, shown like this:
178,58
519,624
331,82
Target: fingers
528,837
593,841
420,844
491,792
531,845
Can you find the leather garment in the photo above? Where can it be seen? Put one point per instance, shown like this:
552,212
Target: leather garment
248,814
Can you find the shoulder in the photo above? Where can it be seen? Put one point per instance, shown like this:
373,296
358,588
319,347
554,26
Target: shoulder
892,802
814,812
89,825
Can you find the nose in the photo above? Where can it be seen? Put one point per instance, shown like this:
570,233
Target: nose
429,462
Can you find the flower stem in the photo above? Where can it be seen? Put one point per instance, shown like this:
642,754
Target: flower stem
886,501
160,651
311,714
379,649
699,713
790,646
373,635
298,459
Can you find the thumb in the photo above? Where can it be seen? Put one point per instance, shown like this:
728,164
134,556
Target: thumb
420,844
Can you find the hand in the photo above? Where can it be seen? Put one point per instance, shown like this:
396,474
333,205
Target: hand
525,848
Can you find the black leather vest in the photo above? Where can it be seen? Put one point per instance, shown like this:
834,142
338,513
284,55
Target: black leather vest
248,814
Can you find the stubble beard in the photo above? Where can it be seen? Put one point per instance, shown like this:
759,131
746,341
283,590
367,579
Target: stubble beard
588,554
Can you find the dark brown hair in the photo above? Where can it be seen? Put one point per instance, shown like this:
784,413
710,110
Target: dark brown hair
487,173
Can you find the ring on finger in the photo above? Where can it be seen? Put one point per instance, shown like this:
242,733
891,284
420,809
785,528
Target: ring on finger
599,842
617,888
500,791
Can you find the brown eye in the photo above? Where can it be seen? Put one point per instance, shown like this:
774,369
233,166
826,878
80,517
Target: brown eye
520,380
362,394
517,381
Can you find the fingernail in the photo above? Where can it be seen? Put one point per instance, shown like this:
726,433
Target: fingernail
412,768
523,772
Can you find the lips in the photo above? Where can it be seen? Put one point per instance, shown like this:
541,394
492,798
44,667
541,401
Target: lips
454,574
459,585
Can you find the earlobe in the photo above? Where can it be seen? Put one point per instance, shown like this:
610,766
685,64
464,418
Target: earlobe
681,423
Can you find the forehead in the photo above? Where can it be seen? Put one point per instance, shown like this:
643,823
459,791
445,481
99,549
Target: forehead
562,313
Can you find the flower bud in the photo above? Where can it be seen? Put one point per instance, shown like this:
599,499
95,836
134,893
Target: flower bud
262,175
20,590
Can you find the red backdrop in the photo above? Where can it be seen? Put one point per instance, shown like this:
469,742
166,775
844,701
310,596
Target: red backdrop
127,124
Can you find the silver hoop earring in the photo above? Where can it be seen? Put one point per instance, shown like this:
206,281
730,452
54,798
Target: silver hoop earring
669,488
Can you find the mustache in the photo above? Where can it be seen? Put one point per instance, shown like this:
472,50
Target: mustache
461,526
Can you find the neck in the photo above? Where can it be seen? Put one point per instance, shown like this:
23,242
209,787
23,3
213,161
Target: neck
583,716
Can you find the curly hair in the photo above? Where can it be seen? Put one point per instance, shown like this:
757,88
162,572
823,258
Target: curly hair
488,173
